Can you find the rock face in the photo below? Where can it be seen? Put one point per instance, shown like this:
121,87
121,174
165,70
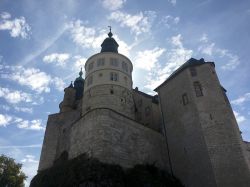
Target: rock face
189,129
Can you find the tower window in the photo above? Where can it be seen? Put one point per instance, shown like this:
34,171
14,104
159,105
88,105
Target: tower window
125,66
147,111
198,89
90,80
101,62
184,99
114,76
193,71
91,65
113,62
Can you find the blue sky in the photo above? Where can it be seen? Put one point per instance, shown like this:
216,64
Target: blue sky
43,44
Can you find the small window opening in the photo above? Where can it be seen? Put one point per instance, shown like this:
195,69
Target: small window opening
184,99
198,89
193,71
112,91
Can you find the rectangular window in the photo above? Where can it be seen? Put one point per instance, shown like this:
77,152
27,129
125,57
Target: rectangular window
90,80
125,66
193,71
114,76
185,99
198,89
113,62
91,65
101,62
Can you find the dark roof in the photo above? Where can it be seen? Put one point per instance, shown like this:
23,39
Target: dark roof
191,62
109,44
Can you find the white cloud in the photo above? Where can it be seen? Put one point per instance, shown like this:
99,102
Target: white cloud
147,59
35,79
30,125
79,62
14,96
211,49
58,58
23,109
59,83
82,35
113,4
207,49
173,2
88,37
30,166
5,120
239,118
5,15
175,58
169,20
138,23
17,27
204,38
241,99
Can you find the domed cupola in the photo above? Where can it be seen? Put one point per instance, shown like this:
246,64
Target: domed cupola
79,85
109,44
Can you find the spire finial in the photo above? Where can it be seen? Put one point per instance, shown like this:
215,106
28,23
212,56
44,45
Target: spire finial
110,33
80,73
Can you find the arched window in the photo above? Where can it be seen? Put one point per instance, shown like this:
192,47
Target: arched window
198,89
185,99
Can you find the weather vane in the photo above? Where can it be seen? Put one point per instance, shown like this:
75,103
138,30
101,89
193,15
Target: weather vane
109,28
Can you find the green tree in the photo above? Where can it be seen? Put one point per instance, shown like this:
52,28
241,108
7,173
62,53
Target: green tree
10,173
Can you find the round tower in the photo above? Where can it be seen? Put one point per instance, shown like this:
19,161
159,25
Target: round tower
108,80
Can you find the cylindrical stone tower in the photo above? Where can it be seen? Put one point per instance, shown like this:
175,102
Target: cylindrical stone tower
108,80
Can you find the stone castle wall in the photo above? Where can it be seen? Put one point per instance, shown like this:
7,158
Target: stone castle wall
109,96
204,141
221,131
187,148
114,138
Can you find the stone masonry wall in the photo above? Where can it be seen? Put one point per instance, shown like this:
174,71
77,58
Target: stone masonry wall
221,132
114,138
187,148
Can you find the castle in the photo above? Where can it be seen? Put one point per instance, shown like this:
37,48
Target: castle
188,129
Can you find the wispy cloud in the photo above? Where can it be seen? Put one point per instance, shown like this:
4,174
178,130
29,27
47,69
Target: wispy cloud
173,2
21,123
148,58
169,20
113,4
239,118
14,96
18,27
21,146
88,37
210,49
5,120
242,99
35,79
175,58
58,58
138,23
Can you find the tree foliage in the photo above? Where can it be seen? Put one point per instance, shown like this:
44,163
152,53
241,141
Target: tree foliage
10,173
90,172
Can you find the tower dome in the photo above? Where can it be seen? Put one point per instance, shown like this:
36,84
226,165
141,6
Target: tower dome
109,44
79,85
